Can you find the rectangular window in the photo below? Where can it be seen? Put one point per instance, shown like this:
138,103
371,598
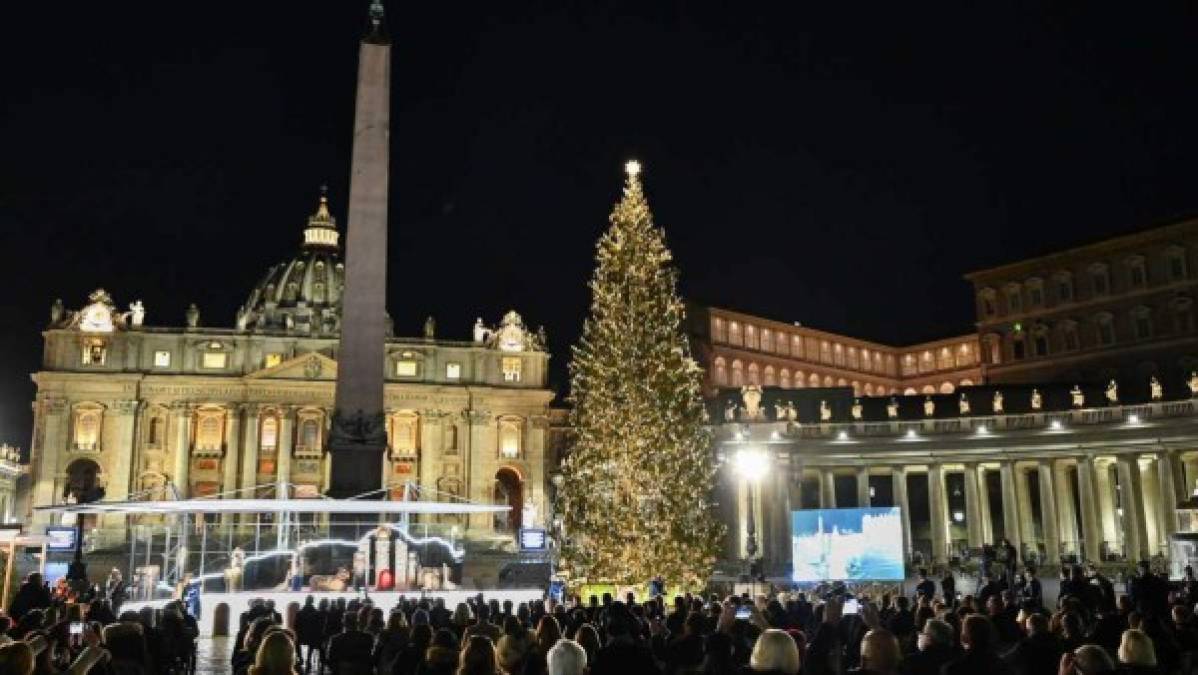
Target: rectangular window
214,360
988,307
1184,321
273,359
1014,302
1065,291
1035,296
1071,339
1100,285
162,359
94,353
1106,333
1177,267
453,371
511,368
1143,327
1137,276
405,368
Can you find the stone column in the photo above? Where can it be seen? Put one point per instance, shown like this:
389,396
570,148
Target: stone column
1048,514
1104,484
774,536
1010,510
55,442
1130,499
898,477
973,507
796,483
937,508
232,458
984,506
121,477
863,486
249,458
1190,471
1087,492
1066,513
285,444
1152,500
1027,518
1168,485
479,458
182,474
827,489
1179,477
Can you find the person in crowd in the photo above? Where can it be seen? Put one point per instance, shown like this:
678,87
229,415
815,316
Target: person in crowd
1086,660
16,658
461,619
1031,593
1039,651
681,650
880,653
441,657
32,595
482,625
1136,653
350,651
986,588
1149,592
588,638
547,635
979,641
775,653
478,657
127,646
309,629
625,652
935,645
567,657
948,587
925,588
408,660
514,647
391,642
276,655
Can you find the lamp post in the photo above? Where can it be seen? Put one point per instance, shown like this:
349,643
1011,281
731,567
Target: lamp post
751,464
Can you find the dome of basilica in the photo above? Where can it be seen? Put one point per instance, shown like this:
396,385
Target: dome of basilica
302,295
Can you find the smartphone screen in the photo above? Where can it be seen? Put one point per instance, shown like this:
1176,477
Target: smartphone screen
743,612
851,606
76,628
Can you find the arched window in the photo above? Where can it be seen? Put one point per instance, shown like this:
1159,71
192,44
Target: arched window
967,382
929,389
1064,286
869,388
87,428
270,433
1035,292
828,381
909,391
509,438
1175,261
1183,315
1104,324
784,378
814,381
738,374
841,382
451,437
1040,340
720,372
856,387
768,374
1100,279
1014,299
754,374
947,388
1141,322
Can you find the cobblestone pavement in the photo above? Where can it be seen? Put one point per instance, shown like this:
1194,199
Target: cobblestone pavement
213,656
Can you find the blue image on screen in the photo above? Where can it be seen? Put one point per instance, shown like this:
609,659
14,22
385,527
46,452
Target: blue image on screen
847,544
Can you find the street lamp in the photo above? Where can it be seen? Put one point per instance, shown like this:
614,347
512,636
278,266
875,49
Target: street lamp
751,465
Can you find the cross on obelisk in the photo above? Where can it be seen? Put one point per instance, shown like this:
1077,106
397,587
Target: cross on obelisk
358,436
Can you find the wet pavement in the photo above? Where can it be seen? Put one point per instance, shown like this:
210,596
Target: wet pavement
212,657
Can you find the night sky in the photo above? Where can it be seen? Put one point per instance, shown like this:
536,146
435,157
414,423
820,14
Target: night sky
841,165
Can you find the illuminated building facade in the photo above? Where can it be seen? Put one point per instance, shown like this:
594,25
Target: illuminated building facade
144,409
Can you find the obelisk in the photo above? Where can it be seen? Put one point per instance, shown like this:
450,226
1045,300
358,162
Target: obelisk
358,435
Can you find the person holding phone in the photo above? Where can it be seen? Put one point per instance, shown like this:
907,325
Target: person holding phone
1086,660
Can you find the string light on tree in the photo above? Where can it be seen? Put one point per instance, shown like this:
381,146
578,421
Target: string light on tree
636,486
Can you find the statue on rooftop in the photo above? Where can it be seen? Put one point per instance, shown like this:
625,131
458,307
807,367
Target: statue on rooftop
792,413
430,328
1037,399
1079,398
929,406
963,404
825,413
1193,384
1155,389
192,315
892,409
997,405
751,395
730,412
857,409
1112,393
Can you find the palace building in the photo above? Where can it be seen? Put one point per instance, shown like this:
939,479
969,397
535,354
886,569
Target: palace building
151,411
1067,424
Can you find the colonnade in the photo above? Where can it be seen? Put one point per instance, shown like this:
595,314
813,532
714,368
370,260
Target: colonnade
1092,506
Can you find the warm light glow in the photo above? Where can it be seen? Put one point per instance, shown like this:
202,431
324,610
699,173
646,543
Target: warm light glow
1055,425
958,516
1133,419
752,464
911,433
632,168
842,436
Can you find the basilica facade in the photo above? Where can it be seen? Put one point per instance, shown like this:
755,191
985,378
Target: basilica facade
152,412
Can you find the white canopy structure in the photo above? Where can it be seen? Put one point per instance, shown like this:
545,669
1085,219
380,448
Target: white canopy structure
330,506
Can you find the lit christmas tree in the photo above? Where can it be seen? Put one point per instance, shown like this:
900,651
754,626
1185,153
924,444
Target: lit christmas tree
636,495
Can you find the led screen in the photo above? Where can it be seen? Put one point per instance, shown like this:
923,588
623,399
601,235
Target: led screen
847,544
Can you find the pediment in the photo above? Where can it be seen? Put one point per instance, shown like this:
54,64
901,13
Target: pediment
309,366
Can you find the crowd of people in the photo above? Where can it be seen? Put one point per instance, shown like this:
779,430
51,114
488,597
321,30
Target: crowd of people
1003,628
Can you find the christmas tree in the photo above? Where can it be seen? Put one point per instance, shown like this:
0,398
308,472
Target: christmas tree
636,491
